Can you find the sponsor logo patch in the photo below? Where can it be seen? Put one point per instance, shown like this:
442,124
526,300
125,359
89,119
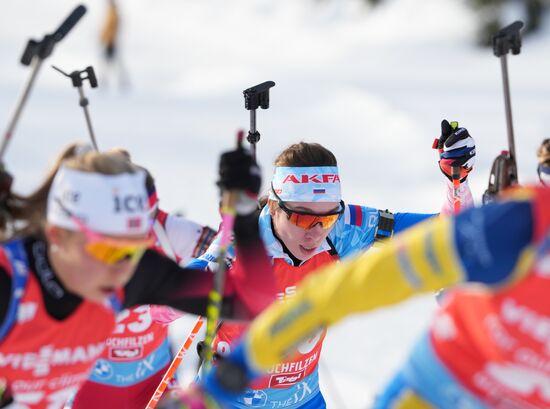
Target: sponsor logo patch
286,379
125,354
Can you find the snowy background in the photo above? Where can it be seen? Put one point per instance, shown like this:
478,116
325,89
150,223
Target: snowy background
372,85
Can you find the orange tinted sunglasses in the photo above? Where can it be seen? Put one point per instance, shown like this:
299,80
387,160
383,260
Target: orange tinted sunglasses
109,250
113,252
307,220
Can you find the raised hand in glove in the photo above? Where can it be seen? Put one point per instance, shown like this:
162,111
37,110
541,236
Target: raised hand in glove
238,171
457,150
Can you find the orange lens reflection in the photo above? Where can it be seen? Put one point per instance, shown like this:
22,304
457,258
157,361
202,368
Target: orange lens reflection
308,221
110,253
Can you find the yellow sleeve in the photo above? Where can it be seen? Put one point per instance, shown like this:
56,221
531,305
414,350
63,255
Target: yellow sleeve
421,259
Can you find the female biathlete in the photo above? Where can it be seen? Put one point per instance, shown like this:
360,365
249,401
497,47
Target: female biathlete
487,346
305,225
79,253
137,354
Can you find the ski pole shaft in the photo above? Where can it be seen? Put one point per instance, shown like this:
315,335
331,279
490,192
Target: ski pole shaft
215,296
456,189
84,105
37,63
508,105
35,53
175,364
253,131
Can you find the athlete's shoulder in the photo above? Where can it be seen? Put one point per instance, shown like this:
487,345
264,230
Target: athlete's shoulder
354,230
174,220
359,216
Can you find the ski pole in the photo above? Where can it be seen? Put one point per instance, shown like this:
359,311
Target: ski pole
78,78
175,364
256,97
36,52
216,295
456,189
455,175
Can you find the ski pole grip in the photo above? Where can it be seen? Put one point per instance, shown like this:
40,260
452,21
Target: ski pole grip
257,96
91,76
508,39
455,172
69,23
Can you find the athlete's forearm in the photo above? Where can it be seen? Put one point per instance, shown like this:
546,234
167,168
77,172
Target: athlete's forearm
404,221
466,198
159,280
249,284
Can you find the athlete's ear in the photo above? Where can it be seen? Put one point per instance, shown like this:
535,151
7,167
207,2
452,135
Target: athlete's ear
272,205
55,236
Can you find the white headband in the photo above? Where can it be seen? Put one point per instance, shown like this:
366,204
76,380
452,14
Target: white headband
108,204
306,184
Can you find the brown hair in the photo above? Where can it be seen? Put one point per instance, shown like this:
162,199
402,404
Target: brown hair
22,215
543,152
302,154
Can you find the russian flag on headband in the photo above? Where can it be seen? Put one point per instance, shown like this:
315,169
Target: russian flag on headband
355,215
319,191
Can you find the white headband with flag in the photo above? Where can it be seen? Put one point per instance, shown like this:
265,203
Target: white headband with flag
108,204
306,184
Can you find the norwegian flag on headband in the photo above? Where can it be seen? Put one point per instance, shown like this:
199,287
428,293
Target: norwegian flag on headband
134,223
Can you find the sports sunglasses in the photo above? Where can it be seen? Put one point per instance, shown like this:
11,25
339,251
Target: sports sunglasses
109,250
308,220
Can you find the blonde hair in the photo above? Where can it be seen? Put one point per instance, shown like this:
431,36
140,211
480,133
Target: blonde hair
543,152
24,215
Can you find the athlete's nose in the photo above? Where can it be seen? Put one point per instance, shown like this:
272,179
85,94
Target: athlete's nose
315,232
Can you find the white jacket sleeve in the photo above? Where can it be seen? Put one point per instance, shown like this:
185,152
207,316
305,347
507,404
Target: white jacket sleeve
466,198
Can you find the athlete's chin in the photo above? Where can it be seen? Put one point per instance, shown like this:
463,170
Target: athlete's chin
306,251
99,295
